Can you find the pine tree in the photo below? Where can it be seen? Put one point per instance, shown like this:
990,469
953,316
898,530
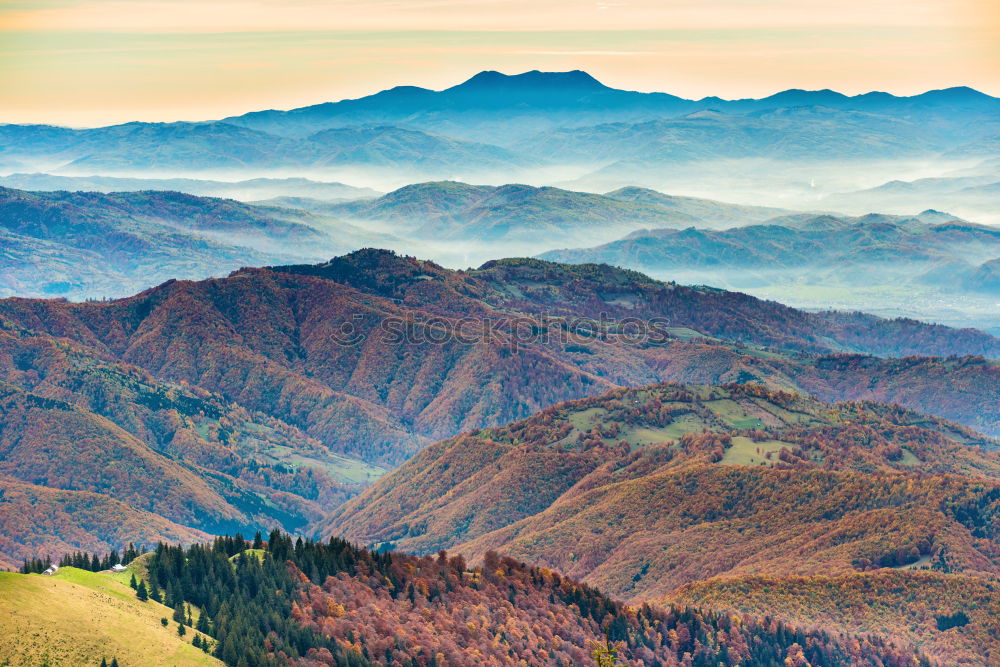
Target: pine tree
196,642
154,591
180,630
179,612
202,625
104,662
133,583
168,595
140,592
114,662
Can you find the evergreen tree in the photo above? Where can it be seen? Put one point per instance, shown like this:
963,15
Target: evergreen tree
179,612
154,591
202,625
180,630
104,662
140,591
132,583
114,662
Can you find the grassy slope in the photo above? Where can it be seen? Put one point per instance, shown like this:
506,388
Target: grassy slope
76,617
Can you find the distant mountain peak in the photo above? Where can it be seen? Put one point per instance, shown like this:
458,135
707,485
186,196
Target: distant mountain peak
533,80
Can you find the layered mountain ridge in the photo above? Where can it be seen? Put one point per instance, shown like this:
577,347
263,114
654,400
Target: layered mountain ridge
274,394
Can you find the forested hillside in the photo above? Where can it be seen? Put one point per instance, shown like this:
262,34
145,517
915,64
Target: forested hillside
951,616
271,396
641,492
285,602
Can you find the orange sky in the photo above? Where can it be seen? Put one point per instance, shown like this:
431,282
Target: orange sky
88,62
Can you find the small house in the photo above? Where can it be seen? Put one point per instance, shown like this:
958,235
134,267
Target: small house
52,569
117,567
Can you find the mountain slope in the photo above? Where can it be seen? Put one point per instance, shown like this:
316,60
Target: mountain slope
510,213
332,603
79,618
609,443
42,520
97,245
909,606
93,447
735,498
268,397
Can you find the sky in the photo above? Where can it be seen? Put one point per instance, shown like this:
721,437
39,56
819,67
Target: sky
97,62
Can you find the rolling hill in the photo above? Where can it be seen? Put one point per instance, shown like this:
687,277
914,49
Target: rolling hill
92,245
972,196
735,498
526,217
79,618
796,133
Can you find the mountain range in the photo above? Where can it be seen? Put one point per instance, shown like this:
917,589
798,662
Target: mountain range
929,248
192,148
537,101
272,395
255,189
933,266
93,245
524,216
534,126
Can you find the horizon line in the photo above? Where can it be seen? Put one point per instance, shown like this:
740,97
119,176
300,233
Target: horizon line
509,76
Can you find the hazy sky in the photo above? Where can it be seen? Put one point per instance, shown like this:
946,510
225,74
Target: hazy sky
91,62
